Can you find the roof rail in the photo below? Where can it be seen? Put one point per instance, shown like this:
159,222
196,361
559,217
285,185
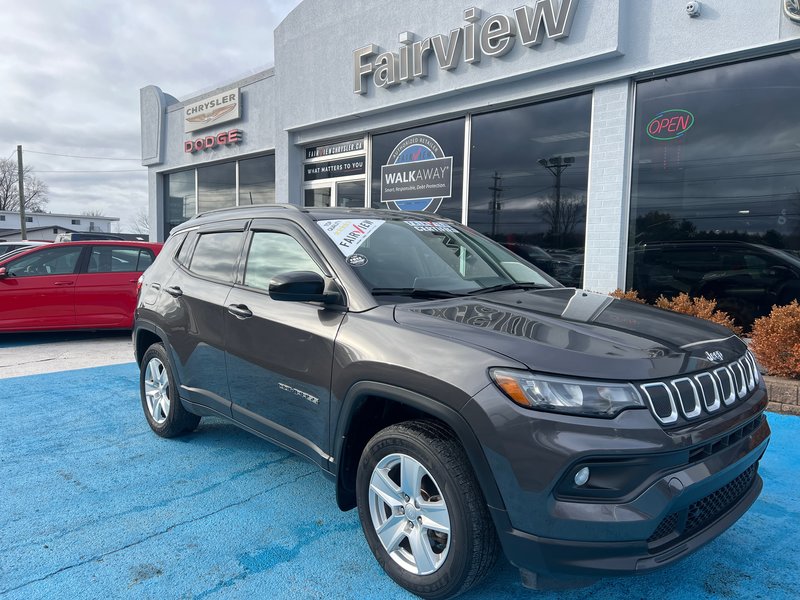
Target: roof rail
283,205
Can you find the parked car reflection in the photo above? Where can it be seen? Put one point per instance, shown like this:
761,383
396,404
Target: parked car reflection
745,279
565,265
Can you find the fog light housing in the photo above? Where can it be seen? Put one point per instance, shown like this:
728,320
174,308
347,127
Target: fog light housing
582,476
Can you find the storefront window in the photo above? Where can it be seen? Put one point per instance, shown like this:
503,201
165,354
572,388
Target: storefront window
434,185
350,194
528,182
319,197
179,195
257,180
715,198
216,186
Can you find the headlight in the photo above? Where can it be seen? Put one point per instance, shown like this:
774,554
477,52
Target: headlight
558,394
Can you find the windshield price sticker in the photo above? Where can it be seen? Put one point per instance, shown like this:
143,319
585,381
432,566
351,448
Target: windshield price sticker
431,226
349,234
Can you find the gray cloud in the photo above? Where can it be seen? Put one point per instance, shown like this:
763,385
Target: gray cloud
71,74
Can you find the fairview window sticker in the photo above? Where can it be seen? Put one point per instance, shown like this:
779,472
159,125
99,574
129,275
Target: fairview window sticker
349,234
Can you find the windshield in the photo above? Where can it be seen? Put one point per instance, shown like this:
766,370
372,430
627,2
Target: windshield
417,257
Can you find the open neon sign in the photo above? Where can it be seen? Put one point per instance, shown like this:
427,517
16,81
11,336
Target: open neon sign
670,124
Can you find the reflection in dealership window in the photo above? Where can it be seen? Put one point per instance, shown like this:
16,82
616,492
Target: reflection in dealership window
274,253
528,182
715,198
216,186
179,199
257,180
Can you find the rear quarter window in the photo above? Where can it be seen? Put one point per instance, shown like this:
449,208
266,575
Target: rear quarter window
216,254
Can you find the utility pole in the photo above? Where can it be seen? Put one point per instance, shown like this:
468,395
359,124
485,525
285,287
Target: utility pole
557,165
21,181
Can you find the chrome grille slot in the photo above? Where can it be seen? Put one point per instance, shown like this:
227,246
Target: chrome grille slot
748,371
725,379
661,401
739,379
752,360
687,397
710,391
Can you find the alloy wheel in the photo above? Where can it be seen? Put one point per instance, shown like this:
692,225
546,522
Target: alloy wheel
409,514
156,390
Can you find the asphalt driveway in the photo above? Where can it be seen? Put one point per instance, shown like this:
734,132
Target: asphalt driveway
94,505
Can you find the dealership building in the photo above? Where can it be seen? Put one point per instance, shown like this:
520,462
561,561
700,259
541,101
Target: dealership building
576,132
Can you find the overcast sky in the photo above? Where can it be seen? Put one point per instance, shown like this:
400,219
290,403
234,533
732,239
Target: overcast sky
70,76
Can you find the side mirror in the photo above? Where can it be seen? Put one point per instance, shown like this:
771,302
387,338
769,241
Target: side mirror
3,272
302,286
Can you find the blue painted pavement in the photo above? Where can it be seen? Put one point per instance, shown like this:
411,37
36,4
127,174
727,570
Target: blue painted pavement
94,505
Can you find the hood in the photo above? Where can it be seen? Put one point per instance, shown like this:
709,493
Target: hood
574,332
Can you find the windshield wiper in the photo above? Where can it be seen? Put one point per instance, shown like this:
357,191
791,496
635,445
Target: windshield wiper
414,293
510,286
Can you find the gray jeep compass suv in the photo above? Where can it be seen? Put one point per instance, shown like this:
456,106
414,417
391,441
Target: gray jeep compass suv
462,400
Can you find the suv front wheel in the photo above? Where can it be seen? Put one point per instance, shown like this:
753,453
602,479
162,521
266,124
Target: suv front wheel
422,511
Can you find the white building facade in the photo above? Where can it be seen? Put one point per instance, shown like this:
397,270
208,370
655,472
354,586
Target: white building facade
46,226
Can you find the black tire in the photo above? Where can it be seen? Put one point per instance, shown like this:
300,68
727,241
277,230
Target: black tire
470,549
155,371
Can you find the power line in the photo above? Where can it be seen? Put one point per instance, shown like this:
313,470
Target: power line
95,171
76,156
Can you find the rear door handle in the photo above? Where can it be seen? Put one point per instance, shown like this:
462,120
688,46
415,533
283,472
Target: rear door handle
61,283
240,311
174,291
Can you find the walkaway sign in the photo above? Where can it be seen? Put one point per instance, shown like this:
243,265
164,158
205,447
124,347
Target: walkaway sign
416,180
417,176
494,37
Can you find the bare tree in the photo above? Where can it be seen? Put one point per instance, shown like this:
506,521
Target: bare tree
35,188
94,212
563,215
141,222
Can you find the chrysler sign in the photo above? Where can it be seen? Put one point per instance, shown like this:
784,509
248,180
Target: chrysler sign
493,37
212,111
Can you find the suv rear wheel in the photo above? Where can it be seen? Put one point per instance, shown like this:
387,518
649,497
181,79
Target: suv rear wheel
160,401
422,511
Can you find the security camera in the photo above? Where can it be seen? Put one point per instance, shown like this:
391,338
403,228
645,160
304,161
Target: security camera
693,9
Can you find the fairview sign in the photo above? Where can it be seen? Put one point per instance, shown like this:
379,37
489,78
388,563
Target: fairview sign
494,37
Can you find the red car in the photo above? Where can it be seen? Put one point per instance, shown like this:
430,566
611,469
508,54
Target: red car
72,285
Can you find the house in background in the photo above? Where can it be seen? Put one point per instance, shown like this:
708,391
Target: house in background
46,226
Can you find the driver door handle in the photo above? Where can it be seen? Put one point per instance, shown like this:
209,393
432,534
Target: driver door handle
62,283
174,291
240,311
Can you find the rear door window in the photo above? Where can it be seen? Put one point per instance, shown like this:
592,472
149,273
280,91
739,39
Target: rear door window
118,259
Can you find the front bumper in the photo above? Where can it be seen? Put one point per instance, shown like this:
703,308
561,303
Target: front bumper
689,486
